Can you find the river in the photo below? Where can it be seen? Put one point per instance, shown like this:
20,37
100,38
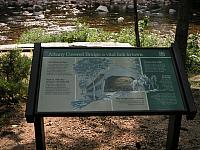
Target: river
59,17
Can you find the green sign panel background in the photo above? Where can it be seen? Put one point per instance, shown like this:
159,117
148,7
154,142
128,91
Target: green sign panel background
168,95
108,79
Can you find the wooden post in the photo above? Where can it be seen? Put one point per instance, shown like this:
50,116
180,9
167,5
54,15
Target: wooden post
136,24
174,128
182,27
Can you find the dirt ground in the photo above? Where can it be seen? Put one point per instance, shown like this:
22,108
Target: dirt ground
96,133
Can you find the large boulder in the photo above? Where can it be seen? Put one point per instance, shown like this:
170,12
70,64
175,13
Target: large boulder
102,8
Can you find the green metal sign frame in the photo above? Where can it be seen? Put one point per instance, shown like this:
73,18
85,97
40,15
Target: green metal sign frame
86,81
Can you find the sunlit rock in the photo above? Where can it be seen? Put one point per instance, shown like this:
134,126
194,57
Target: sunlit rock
157,14
11,7
172,11
75,11
102,8
56,29
32,22
47,10
52,28
3,24
40,17
3,38
37,13
16,13
148,13
42,2
10,18
120,19
117,1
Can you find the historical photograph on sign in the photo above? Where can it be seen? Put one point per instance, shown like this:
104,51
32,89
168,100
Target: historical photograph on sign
117,83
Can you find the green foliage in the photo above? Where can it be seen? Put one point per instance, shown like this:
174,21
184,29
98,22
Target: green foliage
14,72
78,35
36,35
154,40
126,35
193,54
143,24
99,35
82,33
149,39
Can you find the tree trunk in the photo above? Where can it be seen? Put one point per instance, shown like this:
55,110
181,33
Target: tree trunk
136,24
182,27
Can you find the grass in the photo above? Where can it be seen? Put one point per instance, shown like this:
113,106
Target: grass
83,33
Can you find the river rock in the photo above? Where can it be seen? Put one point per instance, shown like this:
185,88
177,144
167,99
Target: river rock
37,13
167,2
102,8
75,11
5,38
11,7
120,19
27,13
172,11
157,14
130,6
153,6
16,12
3,24
37,8
2,3
42,2
117,1
10,18
21,2
40,17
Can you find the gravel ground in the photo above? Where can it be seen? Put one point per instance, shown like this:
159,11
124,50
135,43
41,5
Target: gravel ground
98,133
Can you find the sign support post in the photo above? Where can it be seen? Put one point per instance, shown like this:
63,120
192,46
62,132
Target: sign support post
174,127
57,84
39,133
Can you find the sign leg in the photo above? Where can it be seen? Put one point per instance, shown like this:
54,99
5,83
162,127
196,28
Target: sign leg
39,133
173,132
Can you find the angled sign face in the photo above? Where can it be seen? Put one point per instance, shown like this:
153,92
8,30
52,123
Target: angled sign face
108,79
72,81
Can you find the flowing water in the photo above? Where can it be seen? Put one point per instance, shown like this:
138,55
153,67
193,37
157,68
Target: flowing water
60,17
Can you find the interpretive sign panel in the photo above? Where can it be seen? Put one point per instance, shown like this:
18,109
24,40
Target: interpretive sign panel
108,79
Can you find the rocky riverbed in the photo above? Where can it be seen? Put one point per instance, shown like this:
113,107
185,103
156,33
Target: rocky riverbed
55,16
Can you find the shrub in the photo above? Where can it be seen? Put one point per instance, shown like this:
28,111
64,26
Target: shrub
193,54
83,33
14,72
78,35
36,35
126,35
